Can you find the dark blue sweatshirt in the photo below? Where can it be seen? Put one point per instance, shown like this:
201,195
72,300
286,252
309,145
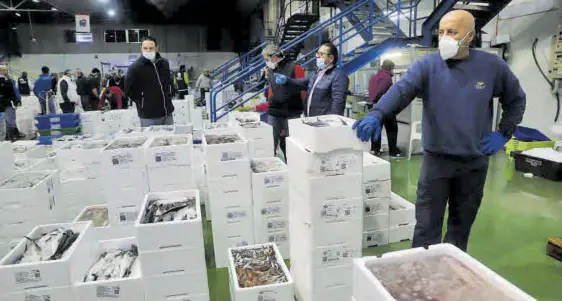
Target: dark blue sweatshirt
457,101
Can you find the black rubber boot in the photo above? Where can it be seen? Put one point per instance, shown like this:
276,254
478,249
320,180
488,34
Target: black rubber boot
18,135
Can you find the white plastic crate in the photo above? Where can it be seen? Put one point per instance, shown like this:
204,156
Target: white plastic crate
169,150
215,153
56,273
278,291
366,287
7,159
375,238
337,162
335,134
116,156
401,211
127,289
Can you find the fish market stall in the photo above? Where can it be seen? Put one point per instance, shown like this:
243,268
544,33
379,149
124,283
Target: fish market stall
258,272
270,193
45,260
110,270
169,232
442,273
169,162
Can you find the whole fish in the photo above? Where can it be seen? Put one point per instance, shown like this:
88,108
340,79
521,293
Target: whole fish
113,265
50,246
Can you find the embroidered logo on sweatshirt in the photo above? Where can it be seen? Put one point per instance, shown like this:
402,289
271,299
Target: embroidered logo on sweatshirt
480,85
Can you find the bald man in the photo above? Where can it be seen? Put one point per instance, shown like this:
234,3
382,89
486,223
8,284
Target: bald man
457,86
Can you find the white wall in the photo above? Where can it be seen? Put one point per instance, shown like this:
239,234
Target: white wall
541,104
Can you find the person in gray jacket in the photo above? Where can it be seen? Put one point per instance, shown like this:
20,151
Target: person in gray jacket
327,88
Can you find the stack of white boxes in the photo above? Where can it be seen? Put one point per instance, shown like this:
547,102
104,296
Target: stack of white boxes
402,219
92,122
45,280
125,180
172,254
169,163
270,189
376,194
7,159
326,201
259,134
230,191
27,199
182,110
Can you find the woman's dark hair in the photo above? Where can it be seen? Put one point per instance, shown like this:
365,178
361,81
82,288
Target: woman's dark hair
149,38
333,51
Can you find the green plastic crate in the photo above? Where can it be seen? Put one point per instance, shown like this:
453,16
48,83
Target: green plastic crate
519,146
59,132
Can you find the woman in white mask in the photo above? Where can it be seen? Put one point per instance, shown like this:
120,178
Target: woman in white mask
457,86
326,88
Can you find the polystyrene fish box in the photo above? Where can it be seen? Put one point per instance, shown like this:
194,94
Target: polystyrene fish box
81,192
375,238
128,289
30,164
235,170
270,180
274,230
187,285
377,189
220,146
166,235
401,233
29,149
337,162
91,122
125,186
255,131
196,118
441,270
81,153
174,260
55,273
319,188
375,168
401,211
7,157
376,206
76,138
275,292
123,216
222,241
63,293
376,221
34,188
166,178
124,153
169,150
325,133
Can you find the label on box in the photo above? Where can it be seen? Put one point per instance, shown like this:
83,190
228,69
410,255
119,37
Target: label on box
278,237
271,210
339,212
372,209
276,180
276,225
336,164
122,159
336,254
374,189
229,156
374,237
267,296
235,214
29,276
103,291
165,157
32,297
128,217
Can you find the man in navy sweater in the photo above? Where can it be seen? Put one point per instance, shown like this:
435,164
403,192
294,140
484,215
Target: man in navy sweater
457,86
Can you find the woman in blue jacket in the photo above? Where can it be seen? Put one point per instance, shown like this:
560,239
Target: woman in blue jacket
327,88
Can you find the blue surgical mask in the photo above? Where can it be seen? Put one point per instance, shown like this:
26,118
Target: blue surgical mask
321,63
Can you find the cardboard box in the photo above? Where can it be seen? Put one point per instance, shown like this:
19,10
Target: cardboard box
401,211
401,233
178,154
70,156
278,291
47,274
366,287
63,293
128,289
375,169
337,135
336,162
215,153
376,206
375,238
376,222
176,286
124,158
170,178
377,189
166,235
174,260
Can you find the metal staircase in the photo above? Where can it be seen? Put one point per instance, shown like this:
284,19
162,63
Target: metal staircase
296,19
378,28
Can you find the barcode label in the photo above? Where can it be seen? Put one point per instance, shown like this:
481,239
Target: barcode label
276,225
229,156
103,291
274,180
122,159
28,276
31,297
336,165
339,212
279,237
165,157
337,254
127,217
267,296
273,210
234,214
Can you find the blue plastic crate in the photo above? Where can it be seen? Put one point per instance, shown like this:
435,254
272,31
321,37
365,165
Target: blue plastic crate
47,140
526,134
57,121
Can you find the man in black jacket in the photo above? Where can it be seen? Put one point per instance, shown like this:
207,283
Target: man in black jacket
8,96
148,84
23,84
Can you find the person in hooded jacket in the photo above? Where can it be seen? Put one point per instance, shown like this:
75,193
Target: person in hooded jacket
149,85
43,89
23,84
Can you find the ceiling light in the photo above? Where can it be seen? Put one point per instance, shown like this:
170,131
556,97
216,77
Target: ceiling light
36,1
54,9
111,13
18,14
14,28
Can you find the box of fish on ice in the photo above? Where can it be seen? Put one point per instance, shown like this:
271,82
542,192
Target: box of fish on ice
32,189
171,248
99,216
81,154
109,270
443,272
123,153
169,162
220,146
45,259
258,272
76,138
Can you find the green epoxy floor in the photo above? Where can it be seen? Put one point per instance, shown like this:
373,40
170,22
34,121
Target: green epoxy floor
517,216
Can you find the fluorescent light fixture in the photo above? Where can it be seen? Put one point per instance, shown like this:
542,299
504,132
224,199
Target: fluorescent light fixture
18,14
36,1
391,55
54,9
111,13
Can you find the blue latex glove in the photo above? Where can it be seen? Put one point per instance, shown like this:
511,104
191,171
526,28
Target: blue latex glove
280,79
492,144
366,126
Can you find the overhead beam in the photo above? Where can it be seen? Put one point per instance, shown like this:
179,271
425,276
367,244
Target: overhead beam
29,10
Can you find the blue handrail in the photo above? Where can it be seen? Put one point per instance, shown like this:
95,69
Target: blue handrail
224,67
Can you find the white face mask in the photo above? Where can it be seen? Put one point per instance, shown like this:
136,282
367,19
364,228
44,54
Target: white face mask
449,47
271,65
149,55
2,76
321,63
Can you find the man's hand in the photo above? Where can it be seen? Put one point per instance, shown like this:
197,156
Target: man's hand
492,144
366,126
280,79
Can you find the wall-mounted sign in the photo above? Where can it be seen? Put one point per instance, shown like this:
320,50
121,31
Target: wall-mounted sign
82,23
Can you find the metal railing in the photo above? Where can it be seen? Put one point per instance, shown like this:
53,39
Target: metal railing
339,40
